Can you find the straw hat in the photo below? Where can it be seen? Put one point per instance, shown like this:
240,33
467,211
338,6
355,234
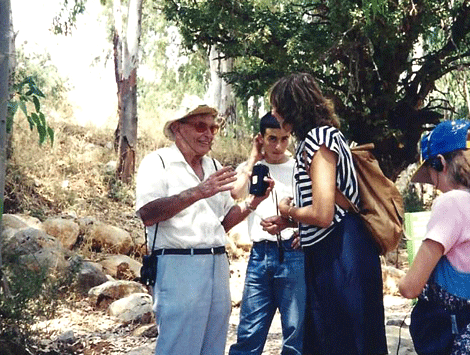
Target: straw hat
185,112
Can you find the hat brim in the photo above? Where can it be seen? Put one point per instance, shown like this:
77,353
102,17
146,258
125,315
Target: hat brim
422,174
200,110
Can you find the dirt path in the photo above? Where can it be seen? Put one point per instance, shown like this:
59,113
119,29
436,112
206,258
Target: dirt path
397,338
87,331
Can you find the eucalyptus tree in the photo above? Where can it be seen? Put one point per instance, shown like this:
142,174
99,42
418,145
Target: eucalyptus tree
126,28
363,54
4,69
126,61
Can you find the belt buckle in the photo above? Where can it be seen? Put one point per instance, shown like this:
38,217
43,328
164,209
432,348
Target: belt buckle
212,251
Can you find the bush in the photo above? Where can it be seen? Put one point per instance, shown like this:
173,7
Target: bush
29,295
412,201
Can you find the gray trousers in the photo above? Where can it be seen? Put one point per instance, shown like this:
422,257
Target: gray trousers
192,304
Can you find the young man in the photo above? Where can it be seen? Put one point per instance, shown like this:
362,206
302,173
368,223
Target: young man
275,271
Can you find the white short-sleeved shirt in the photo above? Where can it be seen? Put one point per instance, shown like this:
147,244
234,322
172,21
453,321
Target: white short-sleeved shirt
449,225
283,176
197,226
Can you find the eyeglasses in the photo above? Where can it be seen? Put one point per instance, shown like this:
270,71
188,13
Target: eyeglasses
202,127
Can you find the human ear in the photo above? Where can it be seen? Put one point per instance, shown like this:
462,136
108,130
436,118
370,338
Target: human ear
437,163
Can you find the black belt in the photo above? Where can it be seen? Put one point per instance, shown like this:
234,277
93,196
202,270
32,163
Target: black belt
192,251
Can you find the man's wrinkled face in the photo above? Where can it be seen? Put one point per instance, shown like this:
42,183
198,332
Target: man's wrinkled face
197,132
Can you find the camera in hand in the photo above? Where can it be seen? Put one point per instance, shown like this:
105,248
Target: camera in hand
257,184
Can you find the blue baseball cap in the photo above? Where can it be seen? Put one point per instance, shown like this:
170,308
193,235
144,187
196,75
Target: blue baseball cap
446,137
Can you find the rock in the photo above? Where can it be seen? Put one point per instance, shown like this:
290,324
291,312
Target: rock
65,230
29,241
146,330
140,247
85,224
13,223
19,221
37,249
121,267
114,290
68,337
399,341
134,308
90,275
112,239
52,258
111,166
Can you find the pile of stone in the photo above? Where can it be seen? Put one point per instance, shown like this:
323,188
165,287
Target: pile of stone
109,281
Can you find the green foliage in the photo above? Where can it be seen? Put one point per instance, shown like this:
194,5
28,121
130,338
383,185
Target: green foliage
34,293
379,60
26,92
38,91
66,19
173,70
45,76
412,201
117,190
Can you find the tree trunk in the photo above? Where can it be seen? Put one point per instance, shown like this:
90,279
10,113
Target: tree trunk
4,97
127,93
11,75
117,47
221,92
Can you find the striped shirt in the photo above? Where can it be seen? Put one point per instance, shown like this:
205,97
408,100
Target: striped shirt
346,178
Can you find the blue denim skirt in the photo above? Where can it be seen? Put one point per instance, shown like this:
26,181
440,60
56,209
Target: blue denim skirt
345,312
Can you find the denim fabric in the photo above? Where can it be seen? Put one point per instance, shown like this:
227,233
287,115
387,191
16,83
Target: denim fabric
345,311
271,285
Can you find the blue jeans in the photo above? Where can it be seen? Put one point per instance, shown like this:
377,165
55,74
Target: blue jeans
271,285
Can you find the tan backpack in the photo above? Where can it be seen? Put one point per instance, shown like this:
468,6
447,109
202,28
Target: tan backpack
381,206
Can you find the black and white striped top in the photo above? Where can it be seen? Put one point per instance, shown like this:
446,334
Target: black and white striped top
346,179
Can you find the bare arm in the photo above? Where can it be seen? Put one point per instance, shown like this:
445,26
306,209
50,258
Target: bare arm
426,259
239,212
240,187
323,176
167,207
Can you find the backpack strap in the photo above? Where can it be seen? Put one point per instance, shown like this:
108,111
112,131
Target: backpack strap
340,198
344,202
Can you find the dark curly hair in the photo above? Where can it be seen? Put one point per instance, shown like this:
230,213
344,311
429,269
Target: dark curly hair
297,98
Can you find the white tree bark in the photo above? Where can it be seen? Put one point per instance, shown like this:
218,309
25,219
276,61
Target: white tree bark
126,78
220,93
5,16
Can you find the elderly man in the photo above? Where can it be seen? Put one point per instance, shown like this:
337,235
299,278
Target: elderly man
183,198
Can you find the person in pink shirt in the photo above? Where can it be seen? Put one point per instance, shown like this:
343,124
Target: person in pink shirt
440,273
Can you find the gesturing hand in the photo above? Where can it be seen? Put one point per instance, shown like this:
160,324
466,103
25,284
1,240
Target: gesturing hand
221,180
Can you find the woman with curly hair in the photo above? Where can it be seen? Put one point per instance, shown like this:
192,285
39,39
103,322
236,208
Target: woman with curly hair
345,313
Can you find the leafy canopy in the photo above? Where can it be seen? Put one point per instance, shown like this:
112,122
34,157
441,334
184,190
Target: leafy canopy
378,60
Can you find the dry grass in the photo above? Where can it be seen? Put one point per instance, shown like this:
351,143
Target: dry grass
76,175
